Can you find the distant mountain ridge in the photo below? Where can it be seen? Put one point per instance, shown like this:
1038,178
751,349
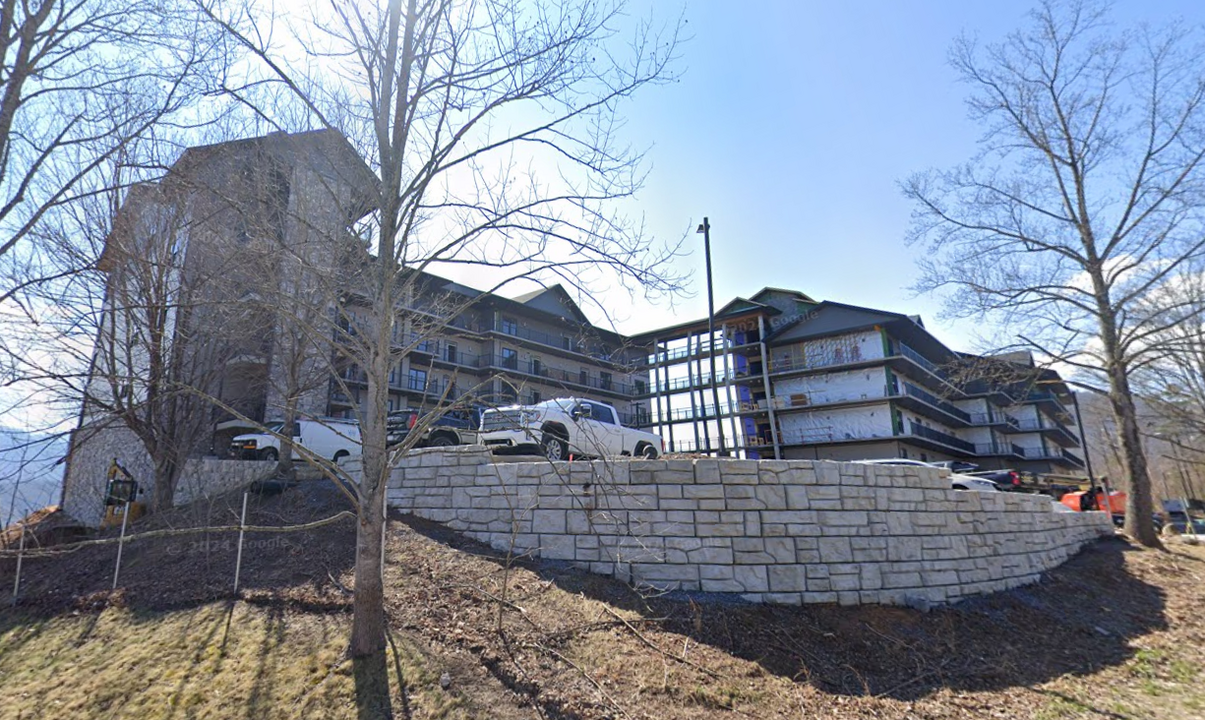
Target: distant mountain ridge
31,473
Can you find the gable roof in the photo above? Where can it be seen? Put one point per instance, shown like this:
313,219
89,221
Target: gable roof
793,293
830,318
833,318
555,300
738,305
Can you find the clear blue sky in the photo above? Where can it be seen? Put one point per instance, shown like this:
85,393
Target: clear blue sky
791,127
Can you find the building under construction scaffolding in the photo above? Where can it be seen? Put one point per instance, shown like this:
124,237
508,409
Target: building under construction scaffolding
800,378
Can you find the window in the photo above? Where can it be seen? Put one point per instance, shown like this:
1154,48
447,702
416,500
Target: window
417,380
535,397
510,359
602,414
537,367
640,387
604,380
509,326
395,375
583,378
452,354
566,343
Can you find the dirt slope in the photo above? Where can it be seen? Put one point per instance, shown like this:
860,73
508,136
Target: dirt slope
1114,633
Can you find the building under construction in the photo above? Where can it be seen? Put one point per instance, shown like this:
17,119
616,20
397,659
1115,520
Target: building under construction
787,376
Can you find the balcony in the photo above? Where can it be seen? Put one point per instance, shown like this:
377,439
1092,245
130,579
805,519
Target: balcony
998,449
984,419
699,412
687,383
936,402
560,342
941,438
538,369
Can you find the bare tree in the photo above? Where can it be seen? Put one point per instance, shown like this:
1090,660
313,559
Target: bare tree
492,129
79,81
1086,196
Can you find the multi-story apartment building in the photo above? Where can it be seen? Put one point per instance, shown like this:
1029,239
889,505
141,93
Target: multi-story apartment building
498,350
808,379
201,270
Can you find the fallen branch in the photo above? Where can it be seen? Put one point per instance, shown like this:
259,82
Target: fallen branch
640,636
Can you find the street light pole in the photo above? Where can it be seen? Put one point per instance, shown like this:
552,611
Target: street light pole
705,229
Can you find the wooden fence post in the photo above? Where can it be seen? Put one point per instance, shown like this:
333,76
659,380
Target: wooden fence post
242,525
125,517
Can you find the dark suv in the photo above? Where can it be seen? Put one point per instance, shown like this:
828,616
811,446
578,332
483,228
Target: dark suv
455,427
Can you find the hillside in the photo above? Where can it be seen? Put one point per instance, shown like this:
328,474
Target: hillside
1115,633
30,473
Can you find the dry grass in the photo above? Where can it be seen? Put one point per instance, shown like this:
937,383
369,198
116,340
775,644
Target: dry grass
217,661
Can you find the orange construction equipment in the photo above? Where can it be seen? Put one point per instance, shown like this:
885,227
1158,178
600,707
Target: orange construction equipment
1085,500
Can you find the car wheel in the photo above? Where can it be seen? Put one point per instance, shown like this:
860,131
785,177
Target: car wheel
341,454
648,452
441,441
270,454
554,447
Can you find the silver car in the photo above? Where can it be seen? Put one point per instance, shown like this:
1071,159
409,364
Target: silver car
958,481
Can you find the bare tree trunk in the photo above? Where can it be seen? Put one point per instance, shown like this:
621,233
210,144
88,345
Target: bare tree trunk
167,476
288,430
1139,505
368,622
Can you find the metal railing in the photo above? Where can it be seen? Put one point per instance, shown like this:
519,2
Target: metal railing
937,436
931,399
997,448
1072,458
980,419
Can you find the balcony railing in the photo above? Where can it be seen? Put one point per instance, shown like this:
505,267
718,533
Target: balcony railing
997,448
904,351
556,375
1037,453
931,399
560,342
941,437
994,419
1073,458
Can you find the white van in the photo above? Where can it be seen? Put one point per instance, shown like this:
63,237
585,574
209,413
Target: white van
329,438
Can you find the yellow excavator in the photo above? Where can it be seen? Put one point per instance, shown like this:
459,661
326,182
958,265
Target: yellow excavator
121,492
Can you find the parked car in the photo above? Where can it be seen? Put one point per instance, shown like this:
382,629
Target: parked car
332,438
454,427
563,427
958,481
1181,526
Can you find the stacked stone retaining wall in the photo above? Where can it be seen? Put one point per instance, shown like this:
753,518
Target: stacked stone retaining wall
94,447
793,531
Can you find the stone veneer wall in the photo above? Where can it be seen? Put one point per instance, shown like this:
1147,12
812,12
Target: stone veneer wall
786,531
93,447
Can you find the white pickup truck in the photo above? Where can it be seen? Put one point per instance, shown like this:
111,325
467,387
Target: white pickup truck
563,427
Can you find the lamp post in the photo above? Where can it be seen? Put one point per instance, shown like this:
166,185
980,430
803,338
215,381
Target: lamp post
705,230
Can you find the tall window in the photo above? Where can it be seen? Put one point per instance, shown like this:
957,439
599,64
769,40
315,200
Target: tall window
452,354
537,367
604,380
509,326
510,359
417,380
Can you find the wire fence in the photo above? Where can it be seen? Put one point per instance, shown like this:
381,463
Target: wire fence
23,551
